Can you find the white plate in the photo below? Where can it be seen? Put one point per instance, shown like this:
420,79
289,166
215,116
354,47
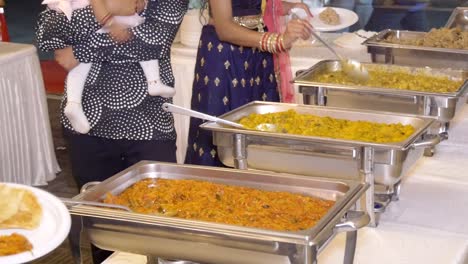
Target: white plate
52,231
347,18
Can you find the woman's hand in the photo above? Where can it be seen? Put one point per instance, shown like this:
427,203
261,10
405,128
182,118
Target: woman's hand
66,58
296,29
119,33
287,6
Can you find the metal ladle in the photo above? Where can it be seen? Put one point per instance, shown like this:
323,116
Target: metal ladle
188,112
352,68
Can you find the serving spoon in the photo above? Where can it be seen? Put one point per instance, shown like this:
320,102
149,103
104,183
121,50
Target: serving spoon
71,202
352,68
188,112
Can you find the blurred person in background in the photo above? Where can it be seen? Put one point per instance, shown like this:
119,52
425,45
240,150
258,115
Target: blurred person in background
398,15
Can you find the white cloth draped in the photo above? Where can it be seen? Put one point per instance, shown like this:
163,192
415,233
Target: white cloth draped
26,148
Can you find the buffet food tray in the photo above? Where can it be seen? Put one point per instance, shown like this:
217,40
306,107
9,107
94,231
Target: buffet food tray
390,53
205,242
458,18
317,156
443,106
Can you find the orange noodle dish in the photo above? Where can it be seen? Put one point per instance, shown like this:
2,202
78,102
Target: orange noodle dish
236,205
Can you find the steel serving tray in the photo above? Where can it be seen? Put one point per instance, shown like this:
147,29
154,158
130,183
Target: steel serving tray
458,18
443,106
390,53
317,156
181,239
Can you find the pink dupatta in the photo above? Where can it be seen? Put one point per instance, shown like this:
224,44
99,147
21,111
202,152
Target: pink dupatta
274,20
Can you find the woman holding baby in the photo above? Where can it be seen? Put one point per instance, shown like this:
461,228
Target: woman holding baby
126,122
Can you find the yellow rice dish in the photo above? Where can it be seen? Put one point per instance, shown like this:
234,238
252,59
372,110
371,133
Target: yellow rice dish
292,122
397,79
236,205
450,38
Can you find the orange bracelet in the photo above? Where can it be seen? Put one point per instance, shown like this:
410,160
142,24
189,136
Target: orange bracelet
263,44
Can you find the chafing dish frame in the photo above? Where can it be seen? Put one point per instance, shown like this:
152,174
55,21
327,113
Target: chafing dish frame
369,162
443,106
410,55
195,240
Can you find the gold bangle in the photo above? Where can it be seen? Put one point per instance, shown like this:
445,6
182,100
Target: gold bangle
104,20
110,22
275,43
272,43
269,43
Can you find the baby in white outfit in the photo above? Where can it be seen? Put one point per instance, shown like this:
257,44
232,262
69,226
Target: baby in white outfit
77,76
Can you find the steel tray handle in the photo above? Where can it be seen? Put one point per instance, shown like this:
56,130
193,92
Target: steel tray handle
88,186
355,221
428,142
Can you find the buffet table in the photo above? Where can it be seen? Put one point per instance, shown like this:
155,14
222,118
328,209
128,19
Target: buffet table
427,225
26,148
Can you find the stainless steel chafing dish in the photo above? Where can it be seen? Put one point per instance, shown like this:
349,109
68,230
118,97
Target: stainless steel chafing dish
443,106
181,239
458,18
318,156
384,52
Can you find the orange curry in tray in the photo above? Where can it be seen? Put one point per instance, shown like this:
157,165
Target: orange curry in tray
236,205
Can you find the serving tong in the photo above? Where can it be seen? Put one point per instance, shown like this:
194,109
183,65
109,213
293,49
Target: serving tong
265,127
353,68
70,202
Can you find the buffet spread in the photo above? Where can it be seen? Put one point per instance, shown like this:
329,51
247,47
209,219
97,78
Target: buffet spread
331,165
359,172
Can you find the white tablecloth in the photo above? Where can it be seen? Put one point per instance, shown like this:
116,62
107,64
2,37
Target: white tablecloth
26,149
427,225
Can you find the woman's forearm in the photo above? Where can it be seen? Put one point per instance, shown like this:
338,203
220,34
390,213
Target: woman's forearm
100,10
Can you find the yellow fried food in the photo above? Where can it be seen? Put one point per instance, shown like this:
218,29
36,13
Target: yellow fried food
14,244
396,79
19,208
206,201
291,122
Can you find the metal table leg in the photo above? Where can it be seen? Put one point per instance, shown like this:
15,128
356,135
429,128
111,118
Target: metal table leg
350,248
367,171
74,237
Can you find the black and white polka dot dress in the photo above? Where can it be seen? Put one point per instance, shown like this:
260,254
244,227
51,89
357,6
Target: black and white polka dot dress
115,97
